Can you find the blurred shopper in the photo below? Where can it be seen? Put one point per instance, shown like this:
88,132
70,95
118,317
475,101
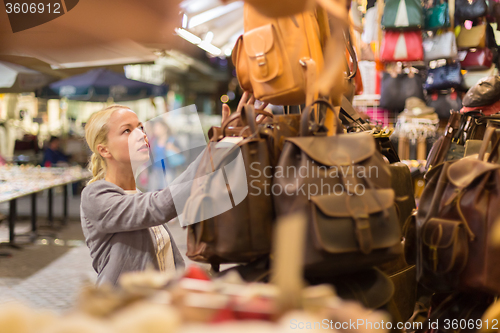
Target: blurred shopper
124,228
52,155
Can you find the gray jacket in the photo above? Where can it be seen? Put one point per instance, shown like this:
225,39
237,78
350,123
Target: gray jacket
115,226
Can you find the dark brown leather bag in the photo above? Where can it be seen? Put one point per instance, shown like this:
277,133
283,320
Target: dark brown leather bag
242,233
325,175
457,212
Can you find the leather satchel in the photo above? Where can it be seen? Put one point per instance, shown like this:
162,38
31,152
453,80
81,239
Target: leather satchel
472,38
278,59
347,230
457,212
395,90
444,104
484,93
471,78
445,77
402,46
437,17
470,10
477,59
443,46
223,223
402,14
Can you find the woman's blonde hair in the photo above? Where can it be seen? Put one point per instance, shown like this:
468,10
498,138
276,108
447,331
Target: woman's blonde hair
96,132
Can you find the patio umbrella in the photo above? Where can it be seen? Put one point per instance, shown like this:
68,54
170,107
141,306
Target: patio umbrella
19,79
98,85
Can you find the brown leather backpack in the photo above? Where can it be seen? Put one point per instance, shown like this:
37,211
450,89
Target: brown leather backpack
457,212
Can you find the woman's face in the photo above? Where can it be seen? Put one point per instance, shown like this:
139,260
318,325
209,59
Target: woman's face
127,141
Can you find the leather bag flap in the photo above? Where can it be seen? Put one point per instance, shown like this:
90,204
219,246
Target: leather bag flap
343,149
440,233
463,172
338,205
259,41
336,231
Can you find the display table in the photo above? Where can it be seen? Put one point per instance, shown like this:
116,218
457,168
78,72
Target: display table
21,181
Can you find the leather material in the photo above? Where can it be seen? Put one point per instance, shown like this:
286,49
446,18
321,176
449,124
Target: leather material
465,10
402,46
441,147
395,91
277,57
437,17
472,78
402,14
347,231
281,9
402,184
457,211
477,59
443,104
405,293
485,92
473,38
440,78
443,46
242,233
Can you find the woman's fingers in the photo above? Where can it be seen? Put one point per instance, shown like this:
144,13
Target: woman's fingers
226,111
243,100
263,106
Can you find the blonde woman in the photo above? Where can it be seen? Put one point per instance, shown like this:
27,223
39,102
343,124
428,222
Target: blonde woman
124,229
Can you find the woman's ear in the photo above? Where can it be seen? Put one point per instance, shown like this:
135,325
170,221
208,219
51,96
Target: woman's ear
103,151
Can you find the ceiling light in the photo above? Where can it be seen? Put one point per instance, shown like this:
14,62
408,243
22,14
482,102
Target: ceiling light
184,21
212,49
209,37
213,14
188,36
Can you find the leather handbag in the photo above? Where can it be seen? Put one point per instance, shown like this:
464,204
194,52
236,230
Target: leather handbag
347,230
402,46
471,78
402,14
437,16
472,38
470,10
457,212
477,59
278,59
444,104
445,77
282,8
228,220
484,93
395,90
402,184
441,147
443,46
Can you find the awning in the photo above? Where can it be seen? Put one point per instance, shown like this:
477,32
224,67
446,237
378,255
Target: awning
19,79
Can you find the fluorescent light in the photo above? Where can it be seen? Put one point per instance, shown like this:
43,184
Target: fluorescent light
209,37
212,49
213,14
228,52
188,36
184,21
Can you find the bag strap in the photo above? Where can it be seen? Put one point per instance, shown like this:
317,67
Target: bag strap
237,115
306,116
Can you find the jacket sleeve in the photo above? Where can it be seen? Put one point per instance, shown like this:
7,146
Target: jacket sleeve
110,210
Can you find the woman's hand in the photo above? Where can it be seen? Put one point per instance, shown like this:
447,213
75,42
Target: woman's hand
246,99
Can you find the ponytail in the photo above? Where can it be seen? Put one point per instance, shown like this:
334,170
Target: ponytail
96,133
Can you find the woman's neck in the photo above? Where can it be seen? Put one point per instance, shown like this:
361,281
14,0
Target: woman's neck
122,178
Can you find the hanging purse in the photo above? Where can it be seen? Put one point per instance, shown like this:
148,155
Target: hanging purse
484,93
402,14
443,46
471,78
402,46
477,59
471,38
445,77
444,103
395,90
470,10
437,16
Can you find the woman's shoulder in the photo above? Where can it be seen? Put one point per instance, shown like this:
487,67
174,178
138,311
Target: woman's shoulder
99,187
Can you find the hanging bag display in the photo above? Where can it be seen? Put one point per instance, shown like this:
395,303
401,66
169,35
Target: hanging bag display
471,78
445,77
457,213
470,10
445,103
402,14
396,89
477,59
437,16
471,38
402,46
443,46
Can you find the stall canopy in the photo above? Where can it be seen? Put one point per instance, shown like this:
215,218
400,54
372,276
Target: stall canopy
99,85
19,79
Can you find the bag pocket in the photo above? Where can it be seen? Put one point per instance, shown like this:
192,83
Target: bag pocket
264,54
444,247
